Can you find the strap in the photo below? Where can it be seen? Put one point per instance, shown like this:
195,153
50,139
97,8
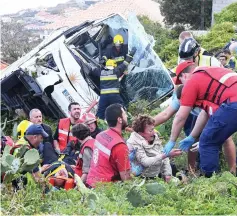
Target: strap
61,157
219,97
215,94
56,170
208,88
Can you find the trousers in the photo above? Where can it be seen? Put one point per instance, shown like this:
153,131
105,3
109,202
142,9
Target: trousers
220,126
105,101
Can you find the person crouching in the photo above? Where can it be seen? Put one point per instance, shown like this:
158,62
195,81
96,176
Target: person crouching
82,133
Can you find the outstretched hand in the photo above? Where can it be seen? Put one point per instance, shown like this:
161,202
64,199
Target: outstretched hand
175,153
186,143
168,147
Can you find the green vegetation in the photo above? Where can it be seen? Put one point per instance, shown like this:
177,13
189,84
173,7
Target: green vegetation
228,14
187,12
216,195
218,36
167,43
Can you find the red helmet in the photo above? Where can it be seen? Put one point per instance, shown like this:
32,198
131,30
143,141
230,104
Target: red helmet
88,118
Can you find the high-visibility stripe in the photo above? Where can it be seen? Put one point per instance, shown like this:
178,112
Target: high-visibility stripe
108,78
64,132
226,77
102,148
109,91
118,59
56,170
204,61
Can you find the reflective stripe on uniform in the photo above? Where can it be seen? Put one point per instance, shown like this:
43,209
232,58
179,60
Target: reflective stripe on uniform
64,132
109,91
226,77
111,77
102,148
119,59
204,61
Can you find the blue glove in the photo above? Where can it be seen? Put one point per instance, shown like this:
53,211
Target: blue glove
168,147
186,143
175,104
136,169
132,155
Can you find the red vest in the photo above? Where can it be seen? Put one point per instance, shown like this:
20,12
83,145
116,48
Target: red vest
214,96
64,134
88,144
101,169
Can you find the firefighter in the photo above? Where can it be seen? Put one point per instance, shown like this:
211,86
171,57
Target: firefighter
109,83
213,89
118,53
190,50
21,129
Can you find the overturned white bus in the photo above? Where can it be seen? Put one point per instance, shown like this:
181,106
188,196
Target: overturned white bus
56,72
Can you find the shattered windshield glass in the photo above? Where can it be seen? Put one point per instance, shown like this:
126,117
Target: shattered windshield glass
147,78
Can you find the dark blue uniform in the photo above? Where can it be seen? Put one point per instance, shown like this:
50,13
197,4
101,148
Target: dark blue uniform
109,87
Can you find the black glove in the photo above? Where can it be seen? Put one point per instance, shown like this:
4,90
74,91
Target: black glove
109,39
106,42
128,58
102,61
133,51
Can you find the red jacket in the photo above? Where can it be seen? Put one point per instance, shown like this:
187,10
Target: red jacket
101,168
88,144
214,94
64,134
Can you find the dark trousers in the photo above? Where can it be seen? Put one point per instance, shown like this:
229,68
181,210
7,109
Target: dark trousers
105,101
220,126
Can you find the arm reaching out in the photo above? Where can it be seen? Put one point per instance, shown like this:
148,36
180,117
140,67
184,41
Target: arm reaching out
165,115
200,124
179,122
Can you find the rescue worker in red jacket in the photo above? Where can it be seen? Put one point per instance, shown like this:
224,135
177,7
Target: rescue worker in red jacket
110,160
214,90
63,133
82,133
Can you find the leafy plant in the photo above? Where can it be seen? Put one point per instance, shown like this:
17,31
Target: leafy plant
228,14
14,165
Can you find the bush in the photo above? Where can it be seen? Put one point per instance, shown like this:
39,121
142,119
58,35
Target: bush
218,36
228,14
201,196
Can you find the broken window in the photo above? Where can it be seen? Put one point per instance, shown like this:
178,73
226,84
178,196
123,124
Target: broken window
47,62
148,78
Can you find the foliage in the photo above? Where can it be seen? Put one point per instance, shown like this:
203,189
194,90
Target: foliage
167,42
217,37
216,195
186,12
16,41
228,14
21,162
